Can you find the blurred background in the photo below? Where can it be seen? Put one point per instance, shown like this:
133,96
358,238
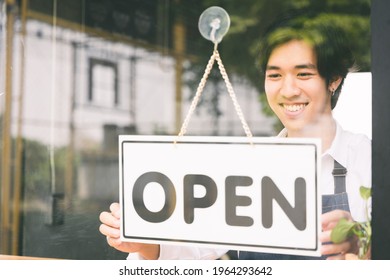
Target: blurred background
75,74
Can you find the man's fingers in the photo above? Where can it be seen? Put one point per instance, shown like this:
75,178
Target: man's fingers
115,210
108,219
330,219
113,242
332,249
336,257
325,236
109,231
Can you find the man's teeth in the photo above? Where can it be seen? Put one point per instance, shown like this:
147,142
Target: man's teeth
294,108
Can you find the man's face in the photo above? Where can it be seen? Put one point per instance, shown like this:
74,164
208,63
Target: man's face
295,90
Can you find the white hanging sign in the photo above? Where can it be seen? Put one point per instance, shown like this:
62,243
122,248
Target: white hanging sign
222,192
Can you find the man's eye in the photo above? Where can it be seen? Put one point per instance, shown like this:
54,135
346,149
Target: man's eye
304,74
273,76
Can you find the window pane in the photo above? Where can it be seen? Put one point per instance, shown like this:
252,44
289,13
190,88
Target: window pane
76,74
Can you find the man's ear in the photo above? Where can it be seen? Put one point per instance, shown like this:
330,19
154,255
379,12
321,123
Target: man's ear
335,83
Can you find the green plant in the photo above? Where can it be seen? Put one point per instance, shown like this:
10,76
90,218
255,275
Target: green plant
362,230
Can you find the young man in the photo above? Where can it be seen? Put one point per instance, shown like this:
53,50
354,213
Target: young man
304,67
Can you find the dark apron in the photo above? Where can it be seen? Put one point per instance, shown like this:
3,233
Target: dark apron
339,200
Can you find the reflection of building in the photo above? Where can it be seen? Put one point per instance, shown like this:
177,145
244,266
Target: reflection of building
79,93
111,83
91,90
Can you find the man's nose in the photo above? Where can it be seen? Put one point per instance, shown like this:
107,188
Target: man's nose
289,87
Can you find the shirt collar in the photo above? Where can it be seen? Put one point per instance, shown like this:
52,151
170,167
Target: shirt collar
337,150
283,133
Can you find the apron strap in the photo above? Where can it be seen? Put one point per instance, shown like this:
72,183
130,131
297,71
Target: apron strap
339,173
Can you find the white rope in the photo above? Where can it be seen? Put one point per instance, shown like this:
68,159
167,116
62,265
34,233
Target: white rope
195,100
198,93
233,96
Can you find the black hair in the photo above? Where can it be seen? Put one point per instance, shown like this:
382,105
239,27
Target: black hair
329,42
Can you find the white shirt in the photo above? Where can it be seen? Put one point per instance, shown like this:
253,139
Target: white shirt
353,151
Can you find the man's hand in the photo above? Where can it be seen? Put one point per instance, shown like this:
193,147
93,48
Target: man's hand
336,251
110,227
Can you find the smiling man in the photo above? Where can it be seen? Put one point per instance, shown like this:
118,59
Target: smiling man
304,67
298,94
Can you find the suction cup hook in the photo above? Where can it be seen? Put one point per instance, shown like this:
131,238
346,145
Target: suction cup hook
214,23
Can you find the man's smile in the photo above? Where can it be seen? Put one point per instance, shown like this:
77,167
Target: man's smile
293,108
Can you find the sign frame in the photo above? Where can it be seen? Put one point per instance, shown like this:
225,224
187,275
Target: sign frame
139,143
